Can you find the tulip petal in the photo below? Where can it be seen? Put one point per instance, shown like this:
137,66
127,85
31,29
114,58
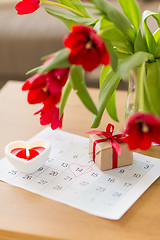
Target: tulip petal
145,142
51,101
27,6
36,81
46,117
75,57
53,84
92,60
56,122
73,40
61,75
87,48
39,110
36,96
134,138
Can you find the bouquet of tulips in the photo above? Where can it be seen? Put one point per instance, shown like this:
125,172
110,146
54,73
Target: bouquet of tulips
103,36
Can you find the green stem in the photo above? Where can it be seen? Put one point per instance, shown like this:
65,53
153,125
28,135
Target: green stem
136,104
141,87
65,94
62,6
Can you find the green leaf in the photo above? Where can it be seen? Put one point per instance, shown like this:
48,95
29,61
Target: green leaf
158,67
151,43
77,82
122,55
122,49
34,70
116,17
157,35
142,101
132,11
105,23
59,61
108,86
65,94
44,58
157,39
79,6
113,55
111,105
148,106
105,70
158,51
69,19
108,31
139,44
111,108
97,25
133,61
113,34
153,85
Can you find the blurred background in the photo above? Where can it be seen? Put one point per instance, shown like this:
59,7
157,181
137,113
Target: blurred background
25,39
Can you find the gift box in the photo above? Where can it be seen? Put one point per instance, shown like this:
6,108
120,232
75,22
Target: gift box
107,153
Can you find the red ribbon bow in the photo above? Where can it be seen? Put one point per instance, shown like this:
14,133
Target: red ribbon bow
113,141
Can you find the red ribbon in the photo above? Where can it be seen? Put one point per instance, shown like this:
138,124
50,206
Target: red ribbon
108,134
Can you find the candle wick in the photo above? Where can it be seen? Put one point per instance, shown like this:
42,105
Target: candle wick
27,152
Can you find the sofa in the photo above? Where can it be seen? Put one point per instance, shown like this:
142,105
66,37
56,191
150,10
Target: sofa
25,39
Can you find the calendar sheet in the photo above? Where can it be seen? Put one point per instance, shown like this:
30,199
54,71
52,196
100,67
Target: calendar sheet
71,177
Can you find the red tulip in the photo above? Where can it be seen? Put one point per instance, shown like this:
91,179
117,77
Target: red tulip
37,96
142,129
56,79
27,6
61,74
34,82
87,48
37,88
50,116
41,86
46,88
51,101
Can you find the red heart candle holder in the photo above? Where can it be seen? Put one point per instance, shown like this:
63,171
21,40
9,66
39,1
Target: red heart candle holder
27,157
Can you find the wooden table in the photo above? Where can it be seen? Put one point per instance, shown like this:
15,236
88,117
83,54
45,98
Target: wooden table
27,216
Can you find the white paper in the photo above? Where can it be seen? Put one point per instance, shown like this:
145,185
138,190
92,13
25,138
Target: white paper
71,177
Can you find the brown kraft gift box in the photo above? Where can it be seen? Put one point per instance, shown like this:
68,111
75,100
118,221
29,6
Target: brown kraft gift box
104,153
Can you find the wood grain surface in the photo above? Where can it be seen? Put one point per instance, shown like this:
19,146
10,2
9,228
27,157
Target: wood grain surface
27,216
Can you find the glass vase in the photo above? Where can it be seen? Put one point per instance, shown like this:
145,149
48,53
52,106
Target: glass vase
132,105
